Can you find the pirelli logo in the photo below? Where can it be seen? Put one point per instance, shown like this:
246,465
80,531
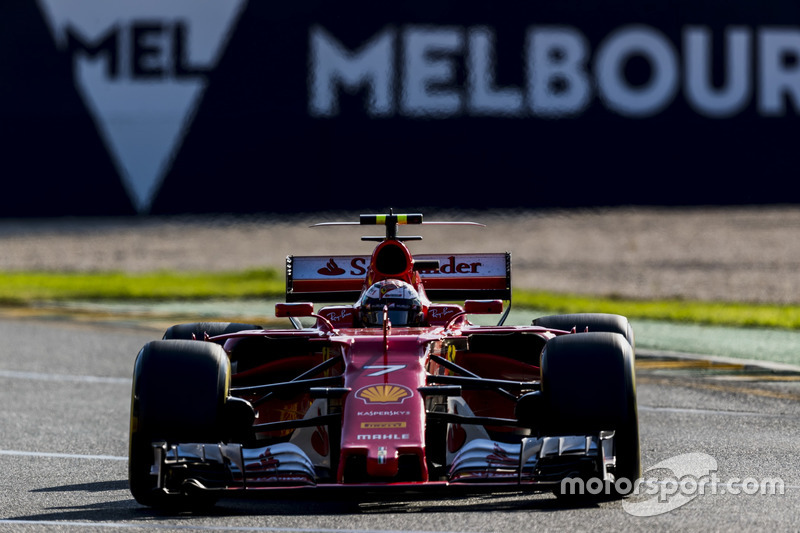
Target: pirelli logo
382,425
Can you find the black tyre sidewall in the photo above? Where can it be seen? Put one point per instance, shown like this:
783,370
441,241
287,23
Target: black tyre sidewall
588,384
179,392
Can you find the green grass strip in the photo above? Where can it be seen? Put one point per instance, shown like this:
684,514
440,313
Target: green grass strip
24,287
20,288
714,313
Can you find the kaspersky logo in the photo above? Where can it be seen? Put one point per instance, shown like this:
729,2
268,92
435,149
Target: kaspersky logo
141,67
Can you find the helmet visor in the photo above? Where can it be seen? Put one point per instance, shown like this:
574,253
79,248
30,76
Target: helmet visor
397,317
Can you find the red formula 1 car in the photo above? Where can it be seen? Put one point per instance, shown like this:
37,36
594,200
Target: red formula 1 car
392,392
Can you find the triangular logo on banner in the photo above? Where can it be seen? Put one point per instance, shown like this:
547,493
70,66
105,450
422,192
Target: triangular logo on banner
141,67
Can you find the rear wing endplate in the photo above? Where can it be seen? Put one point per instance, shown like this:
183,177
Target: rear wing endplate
340,278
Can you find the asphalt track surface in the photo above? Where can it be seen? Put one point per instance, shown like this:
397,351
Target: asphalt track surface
64,407
65,385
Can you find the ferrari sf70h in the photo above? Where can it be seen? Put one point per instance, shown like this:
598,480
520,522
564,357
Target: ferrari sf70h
388,386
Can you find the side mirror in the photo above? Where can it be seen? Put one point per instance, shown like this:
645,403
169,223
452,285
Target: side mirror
285,310
483,307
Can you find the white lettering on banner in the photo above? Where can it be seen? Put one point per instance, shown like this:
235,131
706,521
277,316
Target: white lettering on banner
484,97
428,86
616,92
368,66
411,72
734,94
779,74
557,59
141,67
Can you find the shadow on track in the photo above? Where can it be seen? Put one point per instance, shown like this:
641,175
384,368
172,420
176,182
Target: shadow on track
122,508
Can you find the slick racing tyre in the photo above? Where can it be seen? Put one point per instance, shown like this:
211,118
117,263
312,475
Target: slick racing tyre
588,385
180,390
198,330
589,321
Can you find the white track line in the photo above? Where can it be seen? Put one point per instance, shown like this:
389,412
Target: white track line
20,453
717,412
71,378
124,525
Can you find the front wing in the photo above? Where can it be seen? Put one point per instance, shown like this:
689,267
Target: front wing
535,464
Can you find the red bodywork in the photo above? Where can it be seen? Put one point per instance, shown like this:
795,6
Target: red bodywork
338,404
384,371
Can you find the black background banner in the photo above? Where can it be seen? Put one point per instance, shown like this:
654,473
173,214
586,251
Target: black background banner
352,105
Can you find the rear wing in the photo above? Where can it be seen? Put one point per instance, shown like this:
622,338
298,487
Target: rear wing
340,278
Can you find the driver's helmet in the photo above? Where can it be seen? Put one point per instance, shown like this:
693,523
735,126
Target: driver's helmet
401,300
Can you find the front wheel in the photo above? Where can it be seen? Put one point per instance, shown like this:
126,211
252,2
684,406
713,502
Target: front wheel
589,385
179,394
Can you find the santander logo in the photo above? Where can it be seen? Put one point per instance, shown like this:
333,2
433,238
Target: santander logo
449,265
331,269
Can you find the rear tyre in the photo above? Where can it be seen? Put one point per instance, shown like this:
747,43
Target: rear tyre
589,321
589,385
179,394
198,330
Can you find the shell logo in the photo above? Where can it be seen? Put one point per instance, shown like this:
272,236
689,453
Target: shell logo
384,393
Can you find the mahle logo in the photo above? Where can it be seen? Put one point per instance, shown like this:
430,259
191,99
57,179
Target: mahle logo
141,67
